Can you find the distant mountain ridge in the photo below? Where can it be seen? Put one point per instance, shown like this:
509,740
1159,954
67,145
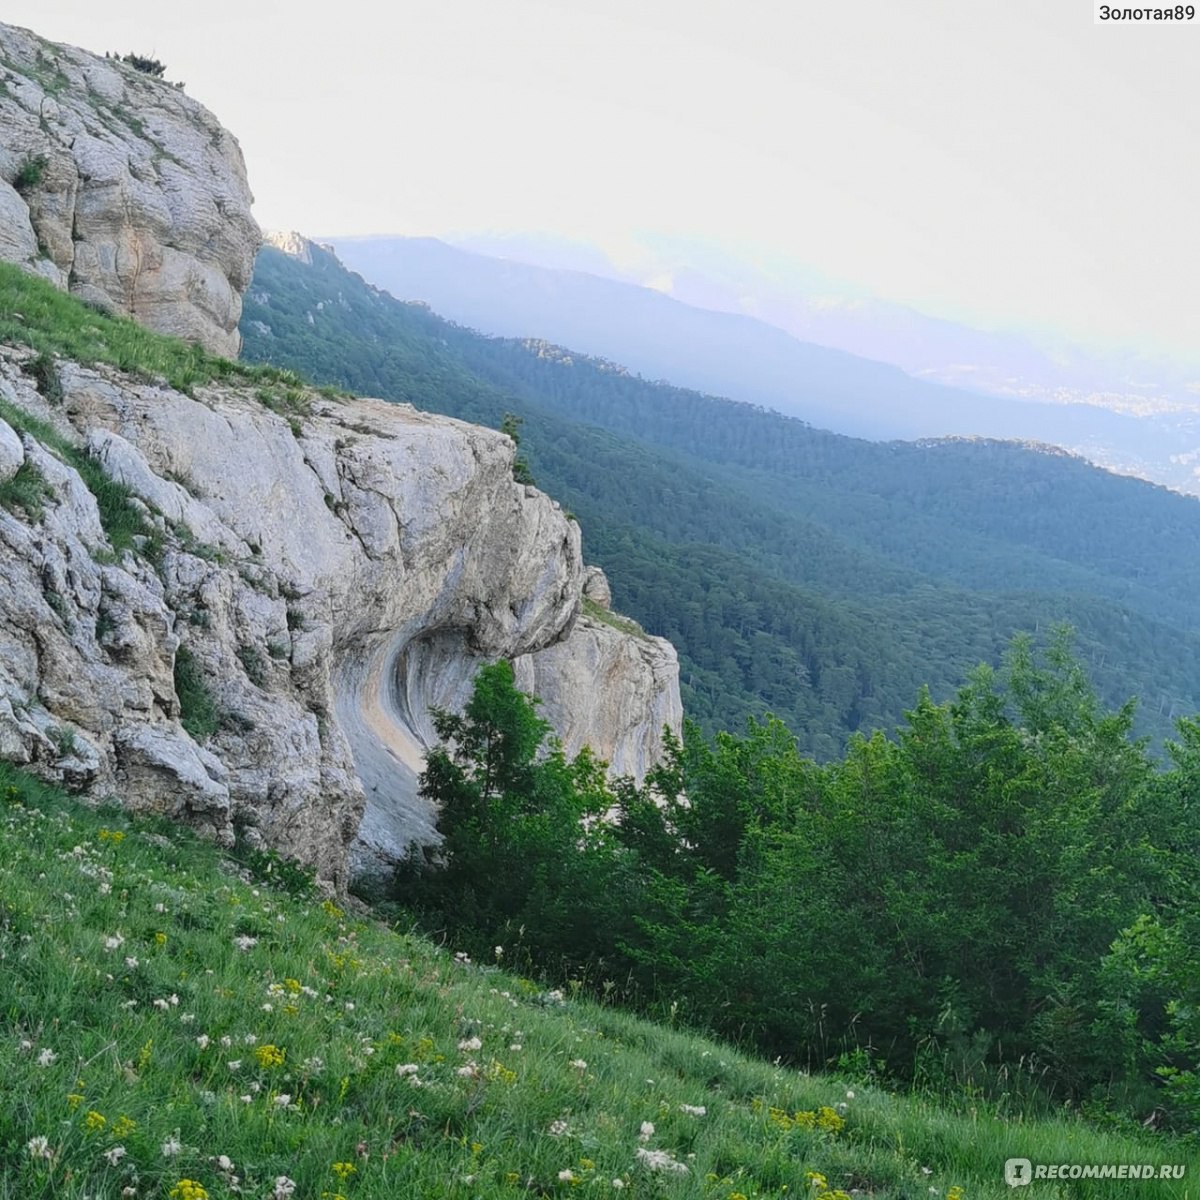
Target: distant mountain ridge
738,356
1164,392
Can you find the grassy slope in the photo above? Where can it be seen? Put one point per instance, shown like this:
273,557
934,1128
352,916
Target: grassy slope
345,1003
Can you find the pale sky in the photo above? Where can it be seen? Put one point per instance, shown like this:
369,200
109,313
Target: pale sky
1009,163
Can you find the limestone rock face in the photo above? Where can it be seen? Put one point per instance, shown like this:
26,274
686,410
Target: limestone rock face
124,190
631,684
314,584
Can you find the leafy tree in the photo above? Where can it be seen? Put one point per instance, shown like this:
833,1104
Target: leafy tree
511,425
527,859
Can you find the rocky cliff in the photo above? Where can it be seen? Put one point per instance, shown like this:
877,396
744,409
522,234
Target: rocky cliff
122,189
306,584
236,604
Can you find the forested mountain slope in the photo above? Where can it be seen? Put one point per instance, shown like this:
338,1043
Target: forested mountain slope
819,576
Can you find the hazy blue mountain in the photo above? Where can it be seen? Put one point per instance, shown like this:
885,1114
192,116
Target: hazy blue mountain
723,353
1163,393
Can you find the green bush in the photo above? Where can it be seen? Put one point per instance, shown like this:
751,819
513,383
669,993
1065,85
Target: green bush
26,492
30,173
198,711
44,372
147,66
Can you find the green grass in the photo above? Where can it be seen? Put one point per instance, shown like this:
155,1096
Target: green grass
607,617
125,525
26,492
199,713
132,1019
35,313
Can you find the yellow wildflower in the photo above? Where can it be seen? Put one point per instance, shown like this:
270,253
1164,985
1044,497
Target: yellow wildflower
343,1170
269,1055
94,1121
829,1120
189,1189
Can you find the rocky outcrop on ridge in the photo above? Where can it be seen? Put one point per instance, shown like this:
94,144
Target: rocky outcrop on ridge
122,189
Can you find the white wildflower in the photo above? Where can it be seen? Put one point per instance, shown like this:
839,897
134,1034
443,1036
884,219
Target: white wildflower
282,1100
246,1099
163,1004
693,1110
203,1041
849,1094
131,963
171,1147
471,1043
558,1128
114,1155
660,1160
578,1064
234,1064
224,1163
469,1070
47,1058
407,1069
115,942
646,1132
39,1147
284,1187
618,1184
245,942
515,1047
567,1176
